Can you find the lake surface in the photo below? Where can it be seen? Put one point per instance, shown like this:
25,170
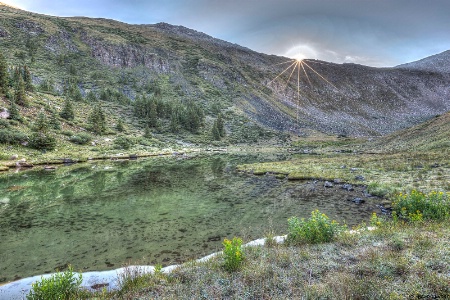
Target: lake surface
101,215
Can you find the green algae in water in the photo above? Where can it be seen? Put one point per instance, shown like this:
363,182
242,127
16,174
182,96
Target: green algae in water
99,216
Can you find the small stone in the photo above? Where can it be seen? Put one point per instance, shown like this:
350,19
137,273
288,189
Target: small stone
337,181
14,157
353,169
348,187
328,184
360,177
358,200
343,167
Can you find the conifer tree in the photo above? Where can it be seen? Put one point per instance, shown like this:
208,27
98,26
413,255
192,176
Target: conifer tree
20,96
97,120
14,113
153,114
119,126
67,111
41,124
147,133
27,79
3,75
54,122
220,125
215,132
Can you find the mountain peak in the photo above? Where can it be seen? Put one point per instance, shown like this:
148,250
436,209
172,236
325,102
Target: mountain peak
436,63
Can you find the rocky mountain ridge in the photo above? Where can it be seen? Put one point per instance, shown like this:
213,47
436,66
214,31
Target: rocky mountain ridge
99,53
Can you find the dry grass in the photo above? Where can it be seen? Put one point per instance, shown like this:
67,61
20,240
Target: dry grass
393,262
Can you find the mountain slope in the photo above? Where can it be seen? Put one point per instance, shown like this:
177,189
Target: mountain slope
103,54
436,63
433,134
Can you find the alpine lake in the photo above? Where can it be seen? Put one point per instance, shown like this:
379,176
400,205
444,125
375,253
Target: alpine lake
102,215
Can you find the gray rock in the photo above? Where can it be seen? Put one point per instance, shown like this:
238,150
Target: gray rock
328,184
337,181
358,200
348,187
360,177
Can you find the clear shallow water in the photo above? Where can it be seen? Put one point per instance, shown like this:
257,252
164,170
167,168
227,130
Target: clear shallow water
100,215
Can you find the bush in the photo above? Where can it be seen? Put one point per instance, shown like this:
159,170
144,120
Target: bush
416,206
81,138
124,142
233,253
8,136
42,141
63,285
317,229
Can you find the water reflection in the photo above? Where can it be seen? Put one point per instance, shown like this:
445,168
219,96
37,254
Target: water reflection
99,215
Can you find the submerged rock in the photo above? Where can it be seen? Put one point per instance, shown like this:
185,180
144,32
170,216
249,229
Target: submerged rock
348,187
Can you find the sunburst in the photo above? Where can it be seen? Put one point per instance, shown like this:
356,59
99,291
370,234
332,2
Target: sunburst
300,68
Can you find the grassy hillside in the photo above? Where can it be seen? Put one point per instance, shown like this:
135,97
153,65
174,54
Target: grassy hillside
123,61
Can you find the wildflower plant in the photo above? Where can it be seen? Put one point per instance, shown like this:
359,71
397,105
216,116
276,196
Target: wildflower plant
61,285
233,253
418,206
317,229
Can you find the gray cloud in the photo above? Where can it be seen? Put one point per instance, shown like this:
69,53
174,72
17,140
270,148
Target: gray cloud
376,33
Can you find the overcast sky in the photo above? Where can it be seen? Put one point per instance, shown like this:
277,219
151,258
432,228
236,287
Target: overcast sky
369,32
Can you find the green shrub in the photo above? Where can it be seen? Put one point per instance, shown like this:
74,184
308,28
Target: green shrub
417,206
233,253
62,285
317,229
8,136
42,141
81,138
67,133
380,190
4,124
124,142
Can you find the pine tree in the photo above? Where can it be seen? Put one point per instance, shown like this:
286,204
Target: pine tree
3,75
147,133
14,113
97,119
54,122
153,114
220,125
215,132
91,97
119,126
27,79
67,112
20,96
41,124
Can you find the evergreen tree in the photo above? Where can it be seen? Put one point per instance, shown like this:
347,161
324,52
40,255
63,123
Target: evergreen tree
215,132
67,111
3,75
147,133
14,113
91,97
54,122
20,96
27,79
41,124
97,120
153,114
220,125
119,126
